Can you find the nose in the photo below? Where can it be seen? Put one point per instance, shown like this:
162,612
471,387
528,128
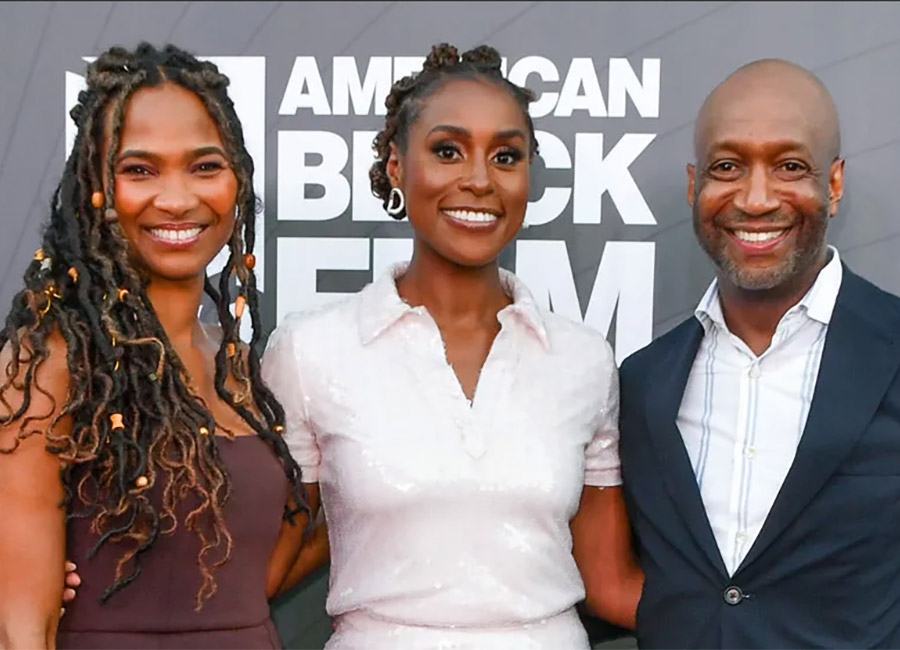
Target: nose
477,178
175,197
757,197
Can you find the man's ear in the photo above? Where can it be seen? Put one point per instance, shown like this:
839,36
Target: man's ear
690,184
835,185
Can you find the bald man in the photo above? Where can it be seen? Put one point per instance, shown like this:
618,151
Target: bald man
760,439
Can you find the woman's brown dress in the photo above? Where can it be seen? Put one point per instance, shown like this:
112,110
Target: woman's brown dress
157,609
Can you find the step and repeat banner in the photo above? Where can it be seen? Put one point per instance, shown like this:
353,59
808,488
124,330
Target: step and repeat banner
608,237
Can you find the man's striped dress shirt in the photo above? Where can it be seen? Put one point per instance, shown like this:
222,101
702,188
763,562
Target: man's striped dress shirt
742,415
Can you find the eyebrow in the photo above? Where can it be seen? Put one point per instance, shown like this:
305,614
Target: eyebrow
203,151
507,133
779,146
196,153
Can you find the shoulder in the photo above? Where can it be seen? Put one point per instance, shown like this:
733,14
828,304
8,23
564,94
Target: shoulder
331,324
577,342
862,309
870,298
52,354
644,360
39,372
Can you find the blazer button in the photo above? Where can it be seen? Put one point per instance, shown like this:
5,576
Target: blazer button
733,595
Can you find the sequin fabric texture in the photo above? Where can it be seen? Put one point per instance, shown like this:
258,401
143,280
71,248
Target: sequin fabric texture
448,519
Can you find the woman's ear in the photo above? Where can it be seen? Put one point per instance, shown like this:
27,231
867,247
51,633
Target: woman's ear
394,167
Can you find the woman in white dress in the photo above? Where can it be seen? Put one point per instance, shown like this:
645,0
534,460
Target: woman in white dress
453,426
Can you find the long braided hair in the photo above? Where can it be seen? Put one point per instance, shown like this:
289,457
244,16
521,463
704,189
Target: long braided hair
122,366
404,103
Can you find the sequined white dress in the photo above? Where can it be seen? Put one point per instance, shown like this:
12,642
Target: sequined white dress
448,521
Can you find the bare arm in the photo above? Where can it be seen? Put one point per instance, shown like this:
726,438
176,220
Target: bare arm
315,553
32,528
601,538
282,367
294,558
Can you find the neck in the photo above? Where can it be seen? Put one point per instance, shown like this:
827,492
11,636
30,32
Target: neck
453,294
177,304
753,316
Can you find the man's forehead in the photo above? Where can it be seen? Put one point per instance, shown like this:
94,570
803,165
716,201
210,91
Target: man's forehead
763,132
769,102
765,122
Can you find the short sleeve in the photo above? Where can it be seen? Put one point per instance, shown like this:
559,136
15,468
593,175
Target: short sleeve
602,467
282,374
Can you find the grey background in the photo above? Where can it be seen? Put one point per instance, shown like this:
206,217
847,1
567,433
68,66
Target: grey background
853,46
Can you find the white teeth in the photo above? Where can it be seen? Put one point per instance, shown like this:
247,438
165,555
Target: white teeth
474,217
745,235
182,234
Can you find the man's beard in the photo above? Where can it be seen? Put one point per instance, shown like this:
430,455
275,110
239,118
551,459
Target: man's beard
802,257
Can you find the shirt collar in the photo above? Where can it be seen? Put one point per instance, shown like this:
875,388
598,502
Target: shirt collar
818,303
380,306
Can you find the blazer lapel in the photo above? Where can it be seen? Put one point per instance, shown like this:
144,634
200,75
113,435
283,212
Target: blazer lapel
858,362
663,400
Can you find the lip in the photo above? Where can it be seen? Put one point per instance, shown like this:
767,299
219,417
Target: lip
472,226
759,247
175,244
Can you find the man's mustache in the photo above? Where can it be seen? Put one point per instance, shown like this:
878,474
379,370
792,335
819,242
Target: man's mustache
743,221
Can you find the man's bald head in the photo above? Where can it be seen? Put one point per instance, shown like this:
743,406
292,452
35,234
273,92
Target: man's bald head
775,90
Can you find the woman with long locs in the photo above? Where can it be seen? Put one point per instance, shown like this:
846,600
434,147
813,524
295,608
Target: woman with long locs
465,439
136,441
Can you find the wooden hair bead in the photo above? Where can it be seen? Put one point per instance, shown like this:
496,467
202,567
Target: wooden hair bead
97,199
122,293
249,260
39,255
239,303
73,273
116,419
278,429
230,350
142,481
204,431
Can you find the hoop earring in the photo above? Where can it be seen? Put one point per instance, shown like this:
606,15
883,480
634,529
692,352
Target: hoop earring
396,211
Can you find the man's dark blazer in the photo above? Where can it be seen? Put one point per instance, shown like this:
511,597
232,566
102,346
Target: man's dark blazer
825,569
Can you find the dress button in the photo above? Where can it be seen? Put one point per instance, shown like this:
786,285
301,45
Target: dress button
733,595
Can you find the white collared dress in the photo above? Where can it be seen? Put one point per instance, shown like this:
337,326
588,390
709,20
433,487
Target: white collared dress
448,520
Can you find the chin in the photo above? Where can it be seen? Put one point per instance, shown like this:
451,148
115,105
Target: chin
758,279
474,261
176,273
473,256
